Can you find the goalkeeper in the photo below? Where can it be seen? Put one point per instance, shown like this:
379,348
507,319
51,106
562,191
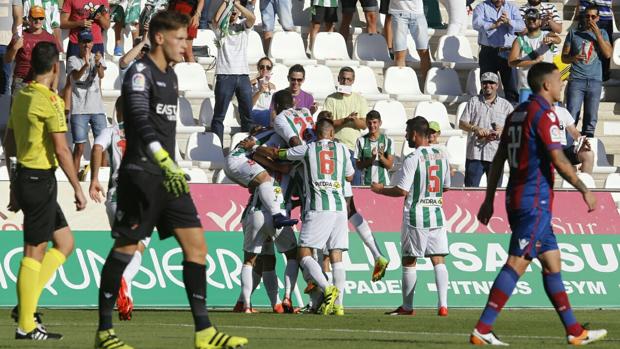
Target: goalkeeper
152,190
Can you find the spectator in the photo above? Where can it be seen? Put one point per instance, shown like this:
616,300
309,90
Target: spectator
458,16
52,16
117,15
551,19
77,15
585,48
387,25
323,11
483,119
374,152
262,91
497,23
576,148
132,17
11,14
140,47
434,130
85,72
530,48
301,98
231,72
268,11
192,8
605,22
348,109
371,12
20,49
408,17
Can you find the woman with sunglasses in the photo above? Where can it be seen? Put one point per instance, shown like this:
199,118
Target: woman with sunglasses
20,48
262,91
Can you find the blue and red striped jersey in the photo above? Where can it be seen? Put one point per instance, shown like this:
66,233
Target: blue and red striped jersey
531,131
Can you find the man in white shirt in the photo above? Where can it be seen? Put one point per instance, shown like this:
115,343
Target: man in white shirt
576,148
232,73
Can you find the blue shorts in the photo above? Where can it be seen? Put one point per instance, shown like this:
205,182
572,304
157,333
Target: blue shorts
406,23
532,234
269,9
79,126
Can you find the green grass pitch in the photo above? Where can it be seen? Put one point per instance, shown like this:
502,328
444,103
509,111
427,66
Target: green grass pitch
359,329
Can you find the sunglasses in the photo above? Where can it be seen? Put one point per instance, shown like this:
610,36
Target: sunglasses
295,80
38,18
268,67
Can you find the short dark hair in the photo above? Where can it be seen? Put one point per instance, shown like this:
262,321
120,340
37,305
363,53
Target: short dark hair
265,59
167,21
591,7
419,124
325,114
297,68
44,57
538,73
346,70
373,115
282,100
323,125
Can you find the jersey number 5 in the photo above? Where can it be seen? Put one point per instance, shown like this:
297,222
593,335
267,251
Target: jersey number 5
326,160
514,133
433,180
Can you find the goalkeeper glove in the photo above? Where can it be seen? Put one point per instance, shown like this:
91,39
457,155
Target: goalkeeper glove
174,177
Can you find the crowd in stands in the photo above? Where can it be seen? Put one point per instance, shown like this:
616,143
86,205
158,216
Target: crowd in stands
510,38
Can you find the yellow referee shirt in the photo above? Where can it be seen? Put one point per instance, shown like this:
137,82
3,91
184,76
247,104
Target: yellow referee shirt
37,111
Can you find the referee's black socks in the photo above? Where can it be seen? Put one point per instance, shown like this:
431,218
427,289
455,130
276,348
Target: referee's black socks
195,280
111,276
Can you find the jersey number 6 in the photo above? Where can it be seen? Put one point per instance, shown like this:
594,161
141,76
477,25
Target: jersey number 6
326,162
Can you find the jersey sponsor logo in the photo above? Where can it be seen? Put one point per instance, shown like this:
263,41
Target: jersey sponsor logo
140,67
556,133
160,83
327,185
523,243
430,202
138,82
170,110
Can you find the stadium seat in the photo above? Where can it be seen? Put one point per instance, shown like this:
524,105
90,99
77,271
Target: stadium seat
319,81
288,48
206,37
127,41
393,117
613,182
196,175
436,111
587,179
60,175
474,85
444,85
457,146
111,83
185,119
104,174
331,49
405,150
483,181
255,49
402,83
601,164
459,112
372,50
456,49
366,84
4,173
62,75
206,115
279,76
615,56
179,158
237,137
192,80
108,42
205,149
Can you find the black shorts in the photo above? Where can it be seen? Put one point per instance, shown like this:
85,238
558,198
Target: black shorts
349,6
36,192
384,7
569,152
144,204
322,14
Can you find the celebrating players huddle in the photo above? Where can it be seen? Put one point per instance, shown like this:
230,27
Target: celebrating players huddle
298,162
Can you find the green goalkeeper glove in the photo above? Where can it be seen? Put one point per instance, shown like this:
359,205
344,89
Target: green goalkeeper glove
174,177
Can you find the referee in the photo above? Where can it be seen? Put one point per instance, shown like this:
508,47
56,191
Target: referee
152,190
36,136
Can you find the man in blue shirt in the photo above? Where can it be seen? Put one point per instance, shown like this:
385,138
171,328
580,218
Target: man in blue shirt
497,23
605,22
585,48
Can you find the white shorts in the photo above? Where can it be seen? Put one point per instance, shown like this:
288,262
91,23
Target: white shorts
348,189
110,210
284,129
259,234
423,242
407,23
242,170
325,229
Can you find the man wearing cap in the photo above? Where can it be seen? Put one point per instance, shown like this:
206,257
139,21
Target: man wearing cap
497,23
85,73
533,47
20,48
483,120
549,15
51,24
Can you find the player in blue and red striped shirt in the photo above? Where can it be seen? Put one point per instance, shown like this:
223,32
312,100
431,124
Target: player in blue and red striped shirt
531,143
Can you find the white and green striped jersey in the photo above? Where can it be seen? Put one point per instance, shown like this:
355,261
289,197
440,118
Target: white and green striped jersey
266,137
363,151
255,203
326,165
325,3
424,174
295,122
